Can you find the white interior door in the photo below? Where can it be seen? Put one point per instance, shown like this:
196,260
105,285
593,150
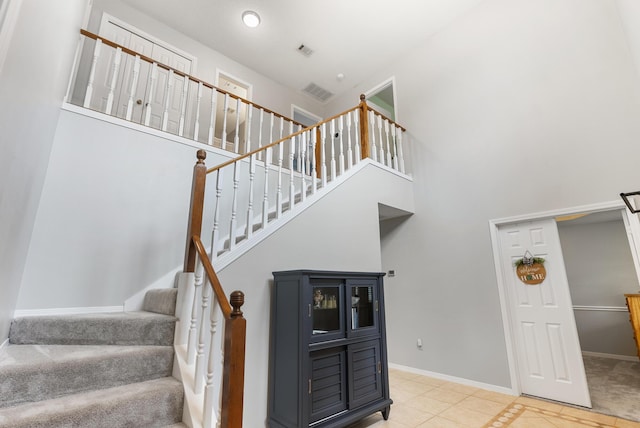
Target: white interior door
547,348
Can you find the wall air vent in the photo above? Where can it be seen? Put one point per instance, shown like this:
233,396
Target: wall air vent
317,92
305,50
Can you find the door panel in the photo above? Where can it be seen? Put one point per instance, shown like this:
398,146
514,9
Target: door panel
548,351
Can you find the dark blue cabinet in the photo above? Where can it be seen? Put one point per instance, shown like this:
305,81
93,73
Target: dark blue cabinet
328,355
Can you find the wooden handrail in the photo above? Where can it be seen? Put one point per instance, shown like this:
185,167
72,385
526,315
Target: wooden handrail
225,306
391,122
183,74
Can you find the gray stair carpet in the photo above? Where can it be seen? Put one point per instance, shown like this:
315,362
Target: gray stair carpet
39,372
93,370
154,403
121,328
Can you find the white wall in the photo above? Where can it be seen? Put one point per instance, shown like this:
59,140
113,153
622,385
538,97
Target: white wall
32,85
518,106
339,232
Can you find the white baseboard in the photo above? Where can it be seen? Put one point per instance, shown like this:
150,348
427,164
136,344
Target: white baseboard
613,356
481,385
66,311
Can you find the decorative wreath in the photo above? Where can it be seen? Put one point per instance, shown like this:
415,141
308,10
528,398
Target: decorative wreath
530,270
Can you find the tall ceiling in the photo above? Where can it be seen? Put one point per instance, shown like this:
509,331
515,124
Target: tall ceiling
349,37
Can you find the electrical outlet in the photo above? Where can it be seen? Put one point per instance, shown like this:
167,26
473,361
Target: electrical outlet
392,273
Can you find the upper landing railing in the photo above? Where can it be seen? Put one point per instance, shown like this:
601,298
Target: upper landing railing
115,80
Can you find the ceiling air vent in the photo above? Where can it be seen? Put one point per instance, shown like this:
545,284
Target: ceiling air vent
317,92
305,50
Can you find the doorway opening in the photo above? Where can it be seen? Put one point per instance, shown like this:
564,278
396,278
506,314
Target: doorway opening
383,98
231,116
599,255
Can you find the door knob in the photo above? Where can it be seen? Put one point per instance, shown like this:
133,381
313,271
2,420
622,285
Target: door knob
139,102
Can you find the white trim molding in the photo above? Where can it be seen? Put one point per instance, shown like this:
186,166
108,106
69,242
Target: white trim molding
600,308
633,358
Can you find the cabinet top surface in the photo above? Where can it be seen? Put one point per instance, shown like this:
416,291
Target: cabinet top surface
325,273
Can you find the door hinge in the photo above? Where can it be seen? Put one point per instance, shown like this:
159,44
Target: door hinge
309,386
376,305
309,310
379,367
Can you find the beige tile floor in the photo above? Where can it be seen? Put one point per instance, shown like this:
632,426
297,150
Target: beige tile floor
425,402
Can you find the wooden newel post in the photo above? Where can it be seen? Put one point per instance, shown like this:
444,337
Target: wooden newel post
234,353
195,210
364,128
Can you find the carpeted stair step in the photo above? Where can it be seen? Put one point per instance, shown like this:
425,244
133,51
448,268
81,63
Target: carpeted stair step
118,328
161,301
154,403
39,372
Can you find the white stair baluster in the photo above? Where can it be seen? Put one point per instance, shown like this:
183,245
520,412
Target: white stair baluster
153,77
399,146
236,138
265,197
183,105
168,92
394,148
247,140
115,69
292,187
332,140
252,173
260,154
372,136
202,338
349,150
234,206
225,108
323,155
381,157
356,127
388,140
270,139
313,162
191,342
279,189
92,74
215,248
212,118
341,158
196,126
303,165
210,399
134,87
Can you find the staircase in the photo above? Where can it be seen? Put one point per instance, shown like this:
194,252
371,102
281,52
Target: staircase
93,370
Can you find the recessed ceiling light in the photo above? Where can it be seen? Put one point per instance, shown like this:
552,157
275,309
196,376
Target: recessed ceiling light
250,18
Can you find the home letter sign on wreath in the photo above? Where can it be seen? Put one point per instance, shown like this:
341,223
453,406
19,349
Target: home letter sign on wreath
530,270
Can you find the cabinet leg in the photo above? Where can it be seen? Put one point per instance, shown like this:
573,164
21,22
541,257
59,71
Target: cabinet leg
385,412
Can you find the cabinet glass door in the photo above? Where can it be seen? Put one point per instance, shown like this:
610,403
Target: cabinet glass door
327,320
363,310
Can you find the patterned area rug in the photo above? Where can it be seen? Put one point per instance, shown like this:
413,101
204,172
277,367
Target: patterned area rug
525,416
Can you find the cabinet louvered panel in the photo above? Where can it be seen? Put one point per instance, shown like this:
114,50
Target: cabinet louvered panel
365,385
328,390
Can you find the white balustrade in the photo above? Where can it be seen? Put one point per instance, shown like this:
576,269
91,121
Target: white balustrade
236,138
153,81
341,158
225,110
115,69
234,206
202,339
215,234
134,87
183,105
252,173
349,151
92,74
332,142
168,93
191,342
196,127
212,118
372,136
